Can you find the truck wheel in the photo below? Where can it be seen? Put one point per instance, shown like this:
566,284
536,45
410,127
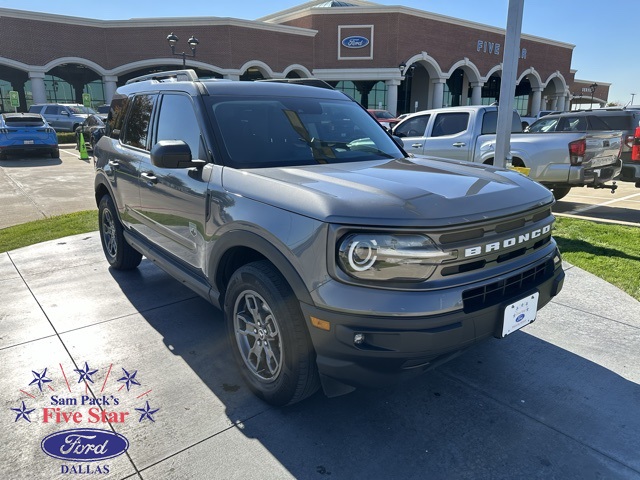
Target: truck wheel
560,192
119,253
268,335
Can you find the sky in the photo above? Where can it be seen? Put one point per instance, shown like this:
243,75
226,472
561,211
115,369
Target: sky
603,32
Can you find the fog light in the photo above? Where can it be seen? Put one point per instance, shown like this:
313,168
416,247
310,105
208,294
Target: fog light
358,339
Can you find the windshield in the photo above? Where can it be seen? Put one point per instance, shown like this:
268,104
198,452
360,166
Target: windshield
382,114
82,109
273,132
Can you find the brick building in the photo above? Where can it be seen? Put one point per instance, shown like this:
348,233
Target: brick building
392,57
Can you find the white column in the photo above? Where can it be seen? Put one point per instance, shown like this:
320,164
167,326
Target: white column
560,105
554,102
438,92
392,96
476,93
110,86
37,87
567,103
536,100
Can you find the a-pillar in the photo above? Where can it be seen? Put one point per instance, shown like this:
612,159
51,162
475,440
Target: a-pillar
438,92
536,101
476,93
110,86
392,96
38,92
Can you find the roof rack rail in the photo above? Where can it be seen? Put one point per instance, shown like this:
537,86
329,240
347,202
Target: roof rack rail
310,82
172,76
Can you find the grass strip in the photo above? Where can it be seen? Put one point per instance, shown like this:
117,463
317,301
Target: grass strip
612,252
48,229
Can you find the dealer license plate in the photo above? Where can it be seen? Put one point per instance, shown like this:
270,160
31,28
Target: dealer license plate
519,314
28,142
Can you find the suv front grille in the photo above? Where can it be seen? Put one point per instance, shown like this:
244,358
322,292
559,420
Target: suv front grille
498,292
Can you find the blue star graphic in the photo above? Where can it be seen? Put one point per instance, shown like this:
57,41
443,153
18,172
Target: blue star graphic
147,412
85,374
129,379
39,378
23,412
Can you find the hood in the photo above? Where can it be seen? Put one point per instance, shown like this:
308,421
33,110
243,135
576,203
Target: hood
411,192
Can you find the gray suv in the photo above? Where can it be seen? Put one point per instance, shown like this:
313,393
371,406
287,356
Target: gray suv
337,260
63,117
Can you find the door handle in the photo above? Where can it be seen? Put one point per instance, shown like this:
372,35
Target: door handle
149,177
416,145
459,144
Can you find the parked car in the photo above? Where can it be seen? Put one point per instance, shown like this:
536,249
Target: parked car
383,117
63,117
625,120
103,111
558,162
528,120
92,130
336,259
26,133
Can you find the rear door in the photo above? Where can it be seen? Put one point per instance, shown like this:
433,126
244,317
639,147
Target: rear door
53,116
450,136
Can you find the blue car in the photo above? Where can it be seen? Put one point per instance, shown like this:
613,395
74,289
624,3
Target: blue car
26,133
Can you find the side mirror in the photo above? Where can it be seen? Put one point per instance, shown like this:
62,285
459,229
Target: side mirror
173,154
398,141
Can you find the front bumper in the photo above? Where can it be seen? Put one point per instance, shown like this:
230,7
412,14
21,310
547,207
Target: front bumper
397,348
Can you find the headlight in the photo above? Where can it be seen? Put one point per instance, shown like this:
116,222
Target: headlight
389,257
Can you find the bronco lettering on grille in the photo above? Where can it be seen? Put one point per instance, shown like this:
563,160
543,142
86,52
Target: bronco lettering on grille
507,242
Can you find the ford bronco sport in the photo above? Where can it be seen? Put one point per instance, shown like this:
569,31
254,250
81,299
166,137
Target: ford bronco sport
338,260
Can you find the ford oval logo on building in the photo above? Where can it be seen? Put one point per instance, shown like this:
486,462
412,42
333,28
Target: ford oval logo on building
355,42
84,445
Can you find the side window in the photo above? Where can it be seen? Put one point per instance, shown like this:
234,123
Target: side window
412,127
136,129
178,121
490,122
450,124
117,113
52,110
573,124
35,108
596,123
543,126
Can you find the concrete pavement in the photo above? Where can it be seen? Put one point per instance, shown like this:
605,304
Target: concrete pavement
559,399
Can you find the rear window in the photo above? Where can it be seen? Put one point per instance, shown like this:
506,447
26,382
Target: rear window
24,121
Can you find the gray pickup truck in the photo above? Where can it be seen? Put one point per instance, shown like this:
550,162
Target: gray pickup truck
573,159
337,261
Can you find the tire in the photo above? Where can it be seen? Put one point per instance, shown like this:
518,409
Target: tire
560,192
119,253
268,335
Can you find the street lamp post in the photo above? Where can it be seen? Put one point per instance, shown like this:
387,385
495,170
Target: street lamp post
632,95
592,88
193,43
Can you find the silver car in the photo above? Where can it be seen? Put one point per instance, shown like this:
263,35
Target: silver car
63,117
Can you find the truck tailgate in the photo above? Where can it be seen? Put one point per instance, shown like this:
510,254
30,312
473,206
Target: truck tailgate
602,149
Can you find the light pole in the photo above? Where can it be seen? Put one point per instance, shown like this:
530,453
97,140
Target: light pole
592,88
632,95
193,43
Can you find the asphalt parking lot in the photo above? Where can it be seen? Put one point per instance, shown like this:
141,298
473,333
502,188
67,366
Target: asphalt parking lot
559,399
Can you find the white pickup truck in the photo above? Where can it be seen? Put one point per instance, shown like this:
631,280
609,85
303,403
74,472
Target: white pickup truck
559,162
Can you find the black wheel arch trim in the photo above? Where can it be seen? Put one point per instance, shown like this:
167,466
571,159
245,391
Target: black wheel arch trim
243,238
